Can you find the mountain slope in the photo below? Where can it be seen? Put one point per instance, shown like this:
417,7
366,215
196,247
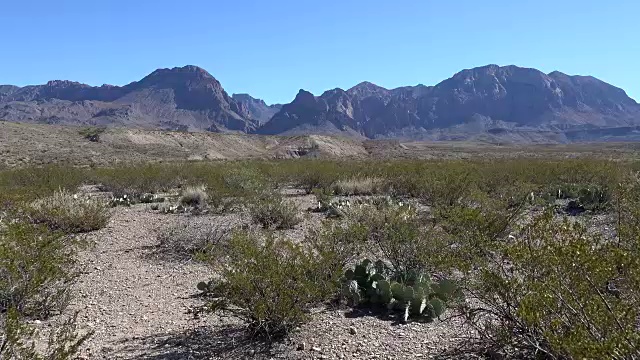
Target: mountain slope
489,99
186,98
507,103
257,108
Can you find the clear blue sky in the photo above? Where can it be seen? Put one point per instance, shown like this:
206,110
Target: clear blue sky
272,48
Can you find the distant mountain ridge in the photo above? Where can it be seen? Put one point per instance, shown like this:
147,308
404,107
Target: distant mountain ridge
489,99
487,103
186,98
257,108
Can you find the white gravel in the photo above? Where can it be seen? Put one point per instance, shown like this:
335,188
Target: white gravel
138,305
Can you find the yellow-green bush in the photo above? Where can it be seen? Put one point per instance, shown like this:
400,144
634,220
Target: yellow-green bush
270,283
271,211
37,269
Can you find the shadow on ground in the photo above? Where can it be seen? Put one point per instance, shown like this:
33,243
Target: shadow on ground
199,343
380,313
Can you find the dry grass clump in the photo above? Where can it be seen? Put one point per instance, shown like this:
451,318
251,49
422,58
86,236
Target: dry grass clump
194,196
187,239
69,212
358,186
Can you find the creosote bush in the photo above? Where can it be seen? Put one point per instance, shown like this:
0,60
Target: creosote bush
271,211
553,291
270,283
37,269
69,213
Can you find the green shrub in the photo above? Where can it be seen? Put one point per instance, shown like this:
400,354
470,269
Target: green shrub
323,197
272,211
312,174
37,269
136,180
398,233
271,284
18,339
25,184
246,180
92,133
340,244
558,292
69,213
594,198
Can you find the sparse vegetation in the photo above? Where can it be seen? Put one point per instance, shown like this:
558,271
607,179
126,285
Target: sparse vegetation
70,213
92,133
538,282
37,269
194,196
270,283
190,239
358,186
271,211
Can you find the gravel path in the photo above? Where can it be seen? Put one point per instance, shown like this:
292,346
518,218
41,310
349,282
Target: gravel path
138,304
125,296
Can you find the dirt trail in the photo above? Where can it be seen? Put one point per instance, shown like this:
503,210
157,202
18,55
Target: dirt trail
125,295
138,304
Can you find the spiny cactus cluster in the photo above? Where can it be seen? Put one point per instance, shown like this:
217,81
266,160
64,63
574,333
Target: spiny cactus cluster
413,294
336,208
121,201
127,200
173,209
340,207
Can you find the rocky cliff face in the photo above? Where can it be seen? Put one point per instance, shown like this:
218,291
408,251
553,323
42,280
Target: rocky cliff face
480,99
186,98
492,100
257,108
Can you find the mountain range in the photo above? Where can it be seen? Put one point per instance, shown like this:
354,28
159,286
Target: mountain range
492,103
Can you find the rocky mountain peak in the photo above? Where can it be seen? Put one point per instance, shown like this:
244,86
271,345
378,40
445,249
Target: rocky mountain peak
257,108
472,101
366,89
304,97
248,99
62,84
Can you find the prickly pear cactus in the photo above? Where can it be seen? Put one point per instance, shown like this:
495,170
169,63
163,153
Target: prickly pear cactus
410,294
351,292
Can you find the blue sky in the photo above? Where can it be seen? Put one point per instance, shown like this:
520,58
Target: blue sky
272,48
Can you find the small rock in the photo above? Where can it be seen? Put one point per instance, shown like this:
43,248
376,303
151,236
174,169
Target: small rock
316,349
302,346
352,330
37,322
252,352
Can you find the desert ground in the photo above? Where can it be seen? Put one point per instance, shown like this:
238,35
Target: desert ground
157,214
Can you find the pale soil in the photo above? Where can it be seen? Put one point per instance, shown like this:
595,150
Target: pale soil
137,303
32,144
24,144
